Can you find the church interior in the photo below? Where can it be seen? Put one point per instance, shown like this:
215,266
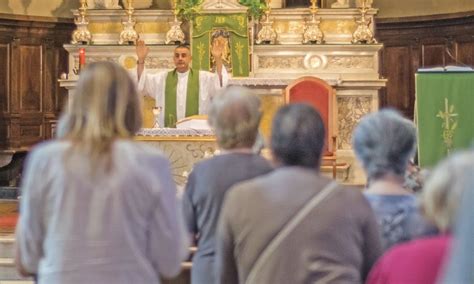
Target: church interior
360,56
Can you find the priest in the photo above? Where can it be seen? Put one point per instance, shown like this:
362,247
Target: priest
183,91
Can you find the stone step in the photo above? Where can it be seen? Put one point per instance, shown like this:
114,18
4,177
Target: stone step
8,270
7,246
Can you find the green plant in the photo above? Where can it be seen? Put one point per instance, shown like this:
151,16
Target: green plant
256,7
187,9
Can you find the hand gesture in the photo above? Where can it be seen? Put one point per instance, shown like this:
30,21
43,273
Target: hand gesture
142,50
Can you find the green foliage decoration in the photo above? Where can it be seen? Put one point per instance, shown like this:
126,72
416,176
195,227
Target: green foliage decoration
186,10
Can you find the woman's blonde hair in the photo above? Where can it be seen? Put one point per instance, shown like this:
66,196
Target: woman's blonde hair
441,195
105,106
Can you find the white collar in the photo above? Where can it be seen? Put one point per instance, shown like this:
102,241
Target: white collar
184,74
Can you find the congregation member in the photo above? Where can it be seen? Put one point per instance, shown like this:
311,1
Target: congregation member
183,91
421,261
98,207
384,142
459,268
234,115
294,225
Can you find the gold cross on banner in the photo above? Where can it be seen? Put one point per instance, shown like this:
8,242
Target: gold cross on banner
449,124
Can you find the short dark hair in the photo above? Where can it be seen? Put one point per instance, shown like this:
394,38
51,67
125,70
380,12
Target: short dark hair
298,136
183,45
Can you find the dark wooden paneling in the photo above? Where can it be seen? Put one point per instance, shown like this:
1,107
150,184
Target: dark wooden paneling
396,63
465,51
31,60
30,78
4,76
411,43
433,55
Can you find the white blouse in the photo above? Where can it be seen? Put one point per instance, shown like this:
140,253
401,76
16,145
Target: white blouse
122,227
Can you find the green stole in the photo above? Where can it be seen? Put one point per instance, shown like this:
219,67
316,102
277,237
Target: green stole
192,96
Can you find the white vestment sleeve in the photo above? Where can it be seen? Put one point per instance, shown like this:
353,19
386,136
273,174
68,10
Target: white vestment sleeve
152,85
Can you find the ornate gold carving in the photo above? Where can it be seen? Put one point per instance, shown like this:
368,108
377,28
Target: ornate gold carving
350,111
351,62
175,34
281,62
449,124
129,62
313,33
129,34
327,26
363,34
267,33
115,28
81,34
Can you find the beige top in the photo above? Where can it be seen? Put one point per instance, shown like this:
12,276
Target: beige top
337,242
121,227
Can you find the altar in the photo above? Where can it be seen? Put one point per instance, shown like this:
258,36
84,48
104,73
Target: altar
344,54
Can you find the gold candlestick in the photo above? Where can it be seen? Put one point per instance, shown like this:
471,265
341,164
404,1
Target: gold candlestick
81,34
175,34
312,32
363,34
267,34
129,35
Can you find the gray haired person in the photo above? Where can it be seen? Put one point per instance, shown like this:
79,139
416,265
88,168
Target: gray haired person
384,142
259,238
235,116
422,260
459,268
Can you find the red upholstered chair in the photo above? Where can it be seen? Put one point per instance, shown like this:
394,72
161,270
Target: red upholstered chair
322,97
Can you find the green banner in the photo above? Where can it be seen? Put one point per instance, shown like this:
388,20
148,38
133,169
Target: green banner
444,114
232,28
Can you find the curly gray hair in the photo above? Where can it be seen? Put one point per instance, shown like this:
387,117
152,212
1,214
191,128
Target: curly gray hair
235,116
384,142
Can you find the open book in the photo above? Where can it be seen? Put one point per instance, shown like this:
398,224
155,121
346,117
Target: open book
194,122
449,68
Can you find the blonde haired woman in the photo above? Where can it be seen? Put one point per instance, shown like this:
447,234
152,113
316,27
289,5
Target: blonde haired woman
98,207
421,261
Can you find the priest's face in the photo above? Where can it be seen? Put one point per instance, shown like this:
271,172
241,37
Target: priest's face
182,58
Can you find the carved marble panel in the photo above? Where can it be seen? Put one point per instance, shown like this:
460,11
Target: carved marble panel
350,62
183,155
281,62
350,110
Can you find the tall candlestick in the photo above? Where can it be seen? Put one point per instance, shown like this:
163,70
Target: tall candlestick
82,58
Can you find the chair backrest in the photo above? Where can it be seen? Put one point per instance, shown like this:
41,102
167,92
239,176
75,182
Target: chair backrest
321,96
